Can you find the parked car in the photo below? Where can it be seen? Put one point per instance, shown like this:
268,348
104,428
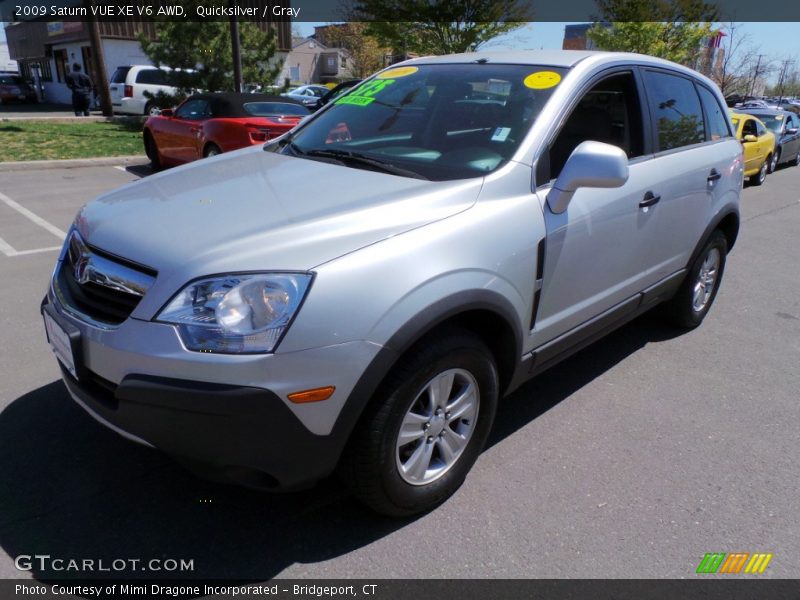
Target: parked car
362,302
210,124
785,126
759,146
309,95
332,94
14,88
129,83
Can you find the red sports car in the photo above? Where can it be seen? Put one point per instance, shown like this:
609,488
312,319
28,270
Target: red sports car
208,124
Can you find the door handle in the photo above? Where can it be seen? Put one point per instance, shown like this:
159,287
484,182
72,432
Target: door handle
714,176
649,200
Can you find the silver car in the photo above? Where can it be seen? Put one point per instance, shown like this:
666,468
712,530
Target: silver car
357,295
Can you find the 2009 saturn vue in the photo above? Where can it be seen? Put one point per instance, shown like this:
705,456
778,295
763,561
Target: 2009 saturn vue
359,293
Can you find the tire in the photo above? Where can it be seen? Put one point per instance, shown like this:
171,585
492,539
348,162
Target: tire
797,159
151,149
761,176
211,150
400,478
773,164
151,110
691,303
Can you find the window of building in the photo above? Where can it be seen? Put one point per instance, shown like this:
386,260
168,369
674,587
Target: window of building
676,107
60,57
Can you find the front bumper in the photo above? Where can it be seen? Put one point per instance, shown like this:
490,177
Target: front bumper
218,414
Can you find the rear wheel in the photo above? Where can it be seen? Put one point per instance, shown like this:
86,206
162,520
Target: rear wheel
151,149
761,176
211,150
797,159
151,110
697,292
426,426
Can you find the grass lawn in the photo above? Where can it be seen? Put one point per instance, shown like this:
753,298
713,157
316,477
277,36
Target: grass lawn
40,140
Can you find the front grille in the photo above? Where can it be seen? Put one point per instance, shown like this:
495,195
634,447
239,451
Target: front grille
97,286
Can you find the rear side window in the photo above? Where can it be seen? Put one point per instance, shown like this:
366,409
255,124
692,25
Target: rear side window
676,109
263,109
717,120
120,74
152,77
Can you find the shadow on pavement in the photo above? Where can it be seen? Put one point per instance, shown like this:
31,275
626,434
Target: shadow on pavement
73,489
140,170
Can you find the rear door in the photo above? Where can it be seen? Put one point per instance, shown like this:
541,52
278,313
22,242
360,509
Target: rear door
693,164
117,85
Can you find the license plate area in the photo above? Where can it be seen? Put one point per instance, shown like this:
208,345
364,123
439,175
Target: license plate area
64,340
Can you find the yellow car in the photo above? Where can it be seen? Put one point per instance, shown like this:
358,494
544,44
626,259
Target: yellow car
758,143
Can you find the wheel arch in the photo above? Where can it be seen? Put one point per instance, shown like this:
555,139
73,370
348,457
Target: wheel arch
727,221
485,313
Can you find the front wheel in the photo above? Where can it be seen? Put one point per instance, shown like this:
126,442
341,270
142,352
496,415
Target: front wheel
773,164
426,426
151,150
697,292
761,176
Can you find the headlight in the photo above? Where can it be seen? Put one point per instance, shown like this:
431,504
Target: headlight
236,314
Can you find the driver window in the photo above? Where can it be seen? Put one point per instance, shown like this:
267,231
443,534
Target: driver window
749,128
193,110
609,112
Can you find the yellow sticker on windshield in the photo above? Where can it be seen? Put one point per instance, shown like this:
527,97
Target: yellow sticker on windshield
398,72
541,80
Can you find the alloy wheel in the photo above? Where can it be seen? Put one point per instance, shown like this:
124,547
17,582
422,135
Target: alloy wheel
437,427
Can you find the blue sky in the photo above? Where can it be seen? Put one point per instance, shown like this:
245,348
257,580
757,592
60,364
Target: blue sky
777,41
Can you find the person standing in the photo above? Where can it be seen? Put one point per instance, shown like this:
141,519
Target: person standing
81,86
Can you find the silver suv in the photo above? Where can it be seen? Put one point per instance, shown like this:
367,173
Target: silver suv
358,294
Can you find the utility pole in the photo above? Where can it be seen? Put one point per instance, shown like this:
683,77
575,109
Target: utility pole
100,75
756,74
236,54
785,68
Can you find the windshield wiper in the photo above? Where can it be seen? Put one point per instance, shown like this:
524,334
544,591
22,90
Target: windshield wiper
353,158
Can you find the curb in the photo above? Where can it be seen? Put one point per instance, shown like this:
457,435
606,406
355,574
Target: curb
71,119
73,163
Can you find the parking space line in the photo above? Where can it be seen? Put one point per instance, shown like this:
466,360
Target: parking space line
37,250
33,217
121,168
6,248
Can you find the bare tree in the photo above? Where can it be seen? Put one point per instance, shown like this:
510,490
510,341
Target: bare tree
732,73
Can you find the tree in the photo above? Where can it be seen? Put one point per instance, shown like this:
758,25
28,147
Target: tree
733,71
439,26
670,29
205,46
366,54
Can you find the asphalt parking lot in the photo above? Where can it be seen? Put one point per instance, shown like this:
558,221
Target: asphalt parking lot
632,459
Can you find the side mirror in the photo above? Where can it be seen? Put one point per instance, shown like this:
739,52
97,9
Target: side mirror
167,112
591,164
750,138
791,131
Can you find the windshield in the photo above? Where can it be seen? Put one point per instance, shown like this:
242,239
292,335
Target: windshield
12,80
773,122
438,122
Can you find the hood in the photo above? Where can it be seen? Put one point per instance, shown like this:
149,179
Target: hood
256,210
